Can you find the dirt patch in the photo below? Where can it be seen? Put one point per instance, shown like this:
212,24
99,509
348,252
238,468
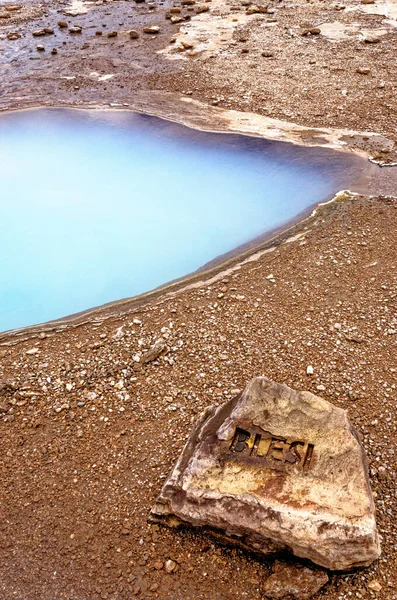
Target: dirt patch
88,433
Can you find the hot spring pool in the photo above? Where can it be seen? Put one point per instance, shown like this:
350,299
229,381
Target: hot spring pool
96,206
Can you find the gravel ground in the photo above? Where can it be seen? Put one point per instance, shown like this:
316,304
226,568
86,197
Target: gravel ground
90,424
312,63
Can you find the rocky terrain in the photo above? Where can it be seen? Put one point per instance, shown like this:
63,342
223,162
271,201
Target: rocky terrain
318,65
94,416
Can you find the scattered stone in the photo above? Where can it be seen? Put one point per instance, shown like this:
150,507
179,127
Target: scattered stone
186,45
371,39
134,35
5,16
311,31
382,473
7,387
153,29
112,34
254,9
202,8
40,48
267,53
294,582
176,19
13,7
158,565
99,32
170,566
374,585
367,1
309,370
13,36
54,51
32,350
119,333
363,70
62,24
175,10
59,409
277,469
39,32
155,351
75,10
75,29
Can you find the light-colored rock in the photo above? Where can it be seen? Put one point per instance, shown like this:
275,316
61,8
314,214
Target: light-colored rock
170,565
153,29
254,9
158,348
311,31
75,9
297,582
273,469
375,586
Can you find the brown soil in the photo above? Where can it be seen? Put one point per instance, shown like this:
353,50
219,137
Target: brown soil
77,481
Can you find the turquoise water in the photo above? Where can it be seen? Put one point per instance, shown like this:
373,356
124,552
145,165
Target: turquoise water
96,206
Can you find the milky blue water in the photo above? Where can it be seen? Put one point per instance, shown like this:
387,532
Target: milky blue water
96,206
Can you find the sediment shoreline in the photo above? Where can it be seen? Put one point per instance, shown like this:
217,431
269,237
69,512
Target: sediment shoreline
89,430
78,411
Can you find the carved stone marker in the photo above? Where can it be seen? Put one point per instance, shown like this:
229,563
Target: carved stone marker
277,469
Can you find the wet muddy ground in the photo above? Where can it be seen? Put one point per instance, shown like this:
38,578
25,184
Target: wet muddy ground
312,64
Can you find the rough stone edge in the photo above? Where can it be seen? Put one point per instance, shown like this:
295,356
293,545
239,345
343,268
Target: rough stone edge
212,416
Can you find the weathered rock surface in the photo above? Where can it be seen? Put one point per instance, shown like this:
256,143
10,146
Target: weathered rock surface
298,582
277,469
